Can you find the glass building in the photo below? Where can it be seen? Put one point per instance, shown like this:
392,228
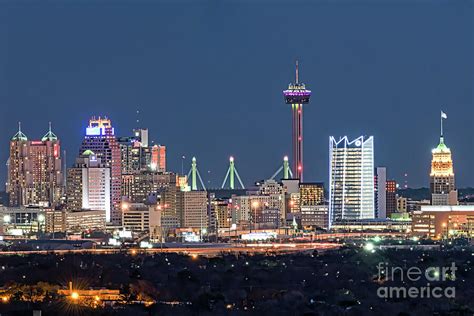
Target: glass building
351,178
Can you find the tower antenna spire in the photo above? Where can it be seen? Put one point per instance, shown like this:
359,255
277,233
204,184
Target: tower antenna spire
297,71
19,127
50,126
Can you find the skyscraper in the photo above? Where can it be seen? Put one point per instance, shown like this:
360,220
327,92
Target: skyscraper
381,192
442,185
35,170
297,95
100,139
351,178
88,185
138,156
391,197
192,208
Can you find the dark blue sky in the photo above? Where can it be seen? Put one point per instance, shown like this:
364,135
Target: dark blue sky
208,78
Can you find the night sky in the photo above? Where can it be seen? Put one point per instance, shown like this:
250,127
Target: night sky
208,76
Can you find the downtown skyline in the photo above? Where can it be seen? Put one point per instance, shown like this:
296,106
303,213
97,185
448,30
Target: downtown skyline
232,104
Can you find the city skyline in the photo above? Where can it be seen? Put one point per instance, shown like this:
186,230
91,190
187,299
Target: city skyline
349,97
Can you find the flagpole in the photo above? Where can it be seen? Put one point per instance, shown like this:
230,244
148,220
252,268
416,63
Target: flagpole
441,118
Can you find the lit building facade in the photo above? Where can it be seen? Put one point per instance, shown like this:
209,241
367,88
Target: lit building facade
35,175
193,210
78,222
351,178
88,185
313,212
222,209
391,197
100,139
136,217
442,186
311,194
315,216
380,192
145,186
443,221
138,156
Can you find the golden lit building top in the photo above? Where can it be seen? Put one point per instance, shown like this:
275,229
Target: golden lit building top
100,122
441,163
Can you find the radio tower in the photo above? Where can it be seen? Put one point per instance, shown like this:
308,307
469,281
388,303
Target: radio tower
297,95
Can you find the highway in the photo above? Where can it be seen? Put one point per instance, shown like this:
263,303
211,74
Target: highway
215,250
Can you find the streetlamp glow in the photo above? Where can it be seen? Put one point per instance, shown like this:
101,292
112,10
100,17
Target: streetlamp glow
369,247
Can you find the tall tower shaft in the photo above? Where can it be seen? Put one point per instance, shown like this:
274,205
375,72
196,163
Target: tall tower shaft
297,95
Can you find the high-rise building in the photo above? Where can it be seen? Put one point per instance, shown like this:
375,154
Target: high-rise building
158,158
145,186
297,95
380,192
223,214
351,178
311,203
311,193
35,173
391,197
137,156
315,216
192,207
100,139
170,217
88,185
442,175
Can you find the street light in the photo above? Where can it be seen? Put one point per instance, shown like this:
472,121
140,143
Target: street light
125,206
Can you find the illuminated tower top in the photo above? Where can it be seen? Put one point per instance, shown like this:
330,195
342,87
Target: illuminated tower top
100,126
297,92
49,136
19,135
442,163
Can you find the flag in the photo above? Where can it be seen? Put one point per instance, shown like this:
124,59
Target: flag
443,115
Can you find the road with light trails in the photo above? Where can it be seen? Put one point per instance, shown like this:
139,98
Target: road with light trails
215,250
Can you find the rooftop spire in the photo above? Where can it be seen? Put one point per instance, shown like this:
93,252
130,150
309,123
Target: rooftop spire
296,71
49,135
19,135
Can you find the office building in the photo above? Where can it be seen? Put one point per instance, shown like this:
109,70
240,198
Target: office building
145,186
391,197
192,209
100,139
136,217
138,156
315,216
311,194
85,220
88,185
380,192
351,178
